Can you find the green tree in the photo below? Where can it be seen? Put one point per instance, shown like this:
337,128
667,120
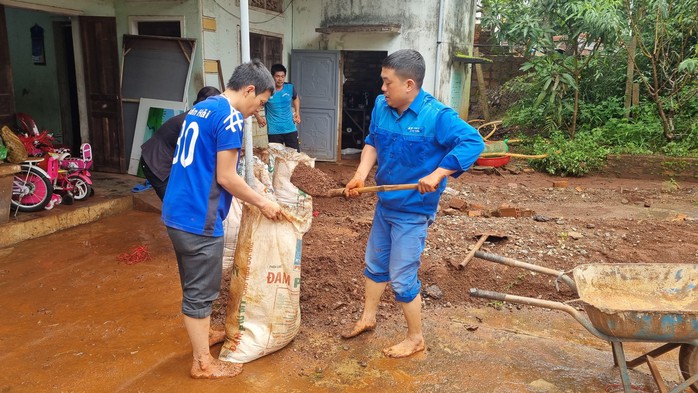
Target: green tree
667,41
560,39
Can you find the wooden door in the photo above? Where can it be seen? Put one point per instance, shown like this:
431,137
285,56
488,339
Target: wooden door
7,96
101,63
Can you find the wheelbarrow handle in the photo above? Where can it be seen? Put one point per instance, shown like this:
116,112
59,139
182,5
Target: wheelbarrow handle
528,266
529,301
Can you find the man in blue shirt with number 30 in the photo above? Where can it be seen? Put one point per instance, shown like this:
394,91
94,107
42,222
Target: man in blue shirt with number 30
202,184
413,138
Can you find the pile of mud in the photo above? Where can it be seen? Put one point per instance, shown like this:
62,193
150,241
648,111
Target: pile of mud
313,181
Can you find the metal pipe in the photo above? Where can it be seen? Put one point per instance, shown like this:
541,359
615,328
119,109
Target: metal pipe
529,301
439,38
245,47
528,266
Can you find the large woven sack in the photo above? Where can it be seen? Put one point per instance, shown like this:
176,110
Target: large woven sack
16,152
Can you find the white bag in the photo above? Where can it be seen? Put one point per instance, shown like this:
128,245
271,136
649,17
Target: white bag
263,311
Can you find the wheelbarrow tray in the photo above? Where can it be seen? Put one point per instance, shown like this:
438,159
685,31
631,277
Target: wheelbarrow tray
641,301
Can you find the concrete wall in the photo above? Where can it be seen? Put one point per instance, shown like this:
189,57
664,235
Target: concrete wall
419,30
223,44
36,86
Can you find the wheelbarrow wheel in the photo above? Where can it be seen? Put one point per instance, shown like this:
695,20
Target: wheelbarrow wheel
688,362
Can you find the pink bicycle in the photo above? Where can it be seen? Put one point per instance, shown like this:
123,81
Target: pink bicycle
32,187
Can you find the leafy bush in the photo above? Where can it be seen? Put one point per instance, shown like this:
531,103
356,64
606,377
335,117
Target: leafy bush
570,157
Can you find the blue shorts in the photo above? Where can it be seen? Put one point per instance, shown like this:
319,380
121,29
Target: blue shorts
394,250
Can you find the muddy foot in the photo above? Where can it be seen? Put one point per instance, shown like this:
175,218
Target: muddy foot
216,369
405,348
215,337
359,328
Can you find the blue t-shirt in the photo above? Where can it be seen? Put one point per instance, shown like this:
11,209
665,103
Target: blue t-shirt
279,111
428,135
194,201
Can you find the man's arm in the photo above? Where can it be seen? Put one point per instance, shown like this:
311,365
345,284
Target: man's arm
228,178
260,120
297,110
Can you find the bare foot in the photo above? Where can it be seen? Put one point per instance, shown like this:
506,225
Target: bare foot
215,337
405,348
359,328
215,369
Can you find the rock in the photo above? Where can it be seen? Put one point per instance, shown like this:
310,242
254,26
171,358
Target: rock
575,235
450,212
434,292
624,201
591,226
457,203
450,191
648,204
543,386
541,218
560,184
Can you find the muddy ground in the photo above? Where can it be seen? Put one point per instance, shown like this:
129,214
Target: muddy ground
75,319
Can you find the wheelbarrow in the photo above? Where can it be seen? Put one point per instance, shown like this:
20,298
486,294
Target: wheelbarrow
645,302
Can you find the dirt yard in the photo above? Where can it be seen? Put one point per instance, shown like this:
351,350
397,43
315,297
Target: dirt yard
78,320
591,220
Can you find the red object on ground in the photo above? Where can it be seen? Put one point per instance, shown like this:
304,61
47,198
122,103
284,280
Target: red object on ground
493,161
137,255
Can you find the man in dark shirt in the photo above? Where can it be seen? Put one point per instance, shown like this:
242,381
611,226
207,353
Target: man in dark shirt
157,152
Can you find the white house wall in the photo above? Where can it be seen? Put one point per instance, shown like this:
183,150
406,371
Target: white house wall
419,30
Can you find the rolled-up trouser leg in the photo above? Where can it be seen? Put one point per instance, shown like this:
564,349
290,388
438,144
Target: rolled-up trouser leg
200,263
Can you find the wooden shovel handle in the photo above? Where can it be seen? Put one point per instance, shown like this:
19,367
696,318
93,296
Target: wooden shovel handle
513,155
471,254
362,190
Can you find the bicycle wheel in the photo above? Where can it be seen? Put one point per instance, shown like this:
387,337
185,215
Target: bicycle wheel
81,190
31,190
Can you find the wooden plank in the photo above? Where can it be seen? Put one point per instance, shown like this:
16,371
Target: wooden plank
482,90
387,28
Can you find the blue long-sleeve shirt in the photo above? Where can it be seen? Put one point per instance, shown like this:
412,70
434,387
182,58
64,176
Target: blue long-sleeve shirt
428,135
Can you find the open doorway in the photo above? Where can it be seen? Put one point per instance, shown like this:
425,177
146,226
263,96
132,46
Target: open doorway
42,61
362,84
67,85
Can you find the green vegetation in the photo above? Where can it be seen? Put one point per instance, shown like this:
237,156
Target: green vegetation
583,58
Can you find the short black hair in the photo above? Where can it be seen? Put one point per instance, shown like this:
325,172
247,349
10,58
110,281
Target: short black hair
252,73
278,68
205,92
407,64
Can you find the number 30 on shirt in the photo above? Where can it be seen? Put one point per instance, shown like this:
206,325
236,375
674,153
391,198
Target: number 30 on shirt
186,144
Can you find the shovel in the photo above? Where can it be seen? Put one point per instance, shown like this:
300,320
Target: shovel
335,192
496,154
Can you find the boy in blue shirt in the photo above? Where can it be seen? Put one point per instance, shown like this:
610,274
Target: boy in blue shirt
202,183
282,111
413,138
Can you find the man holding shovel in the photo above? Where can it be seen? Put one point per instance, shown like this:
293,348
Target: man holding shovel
413,138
